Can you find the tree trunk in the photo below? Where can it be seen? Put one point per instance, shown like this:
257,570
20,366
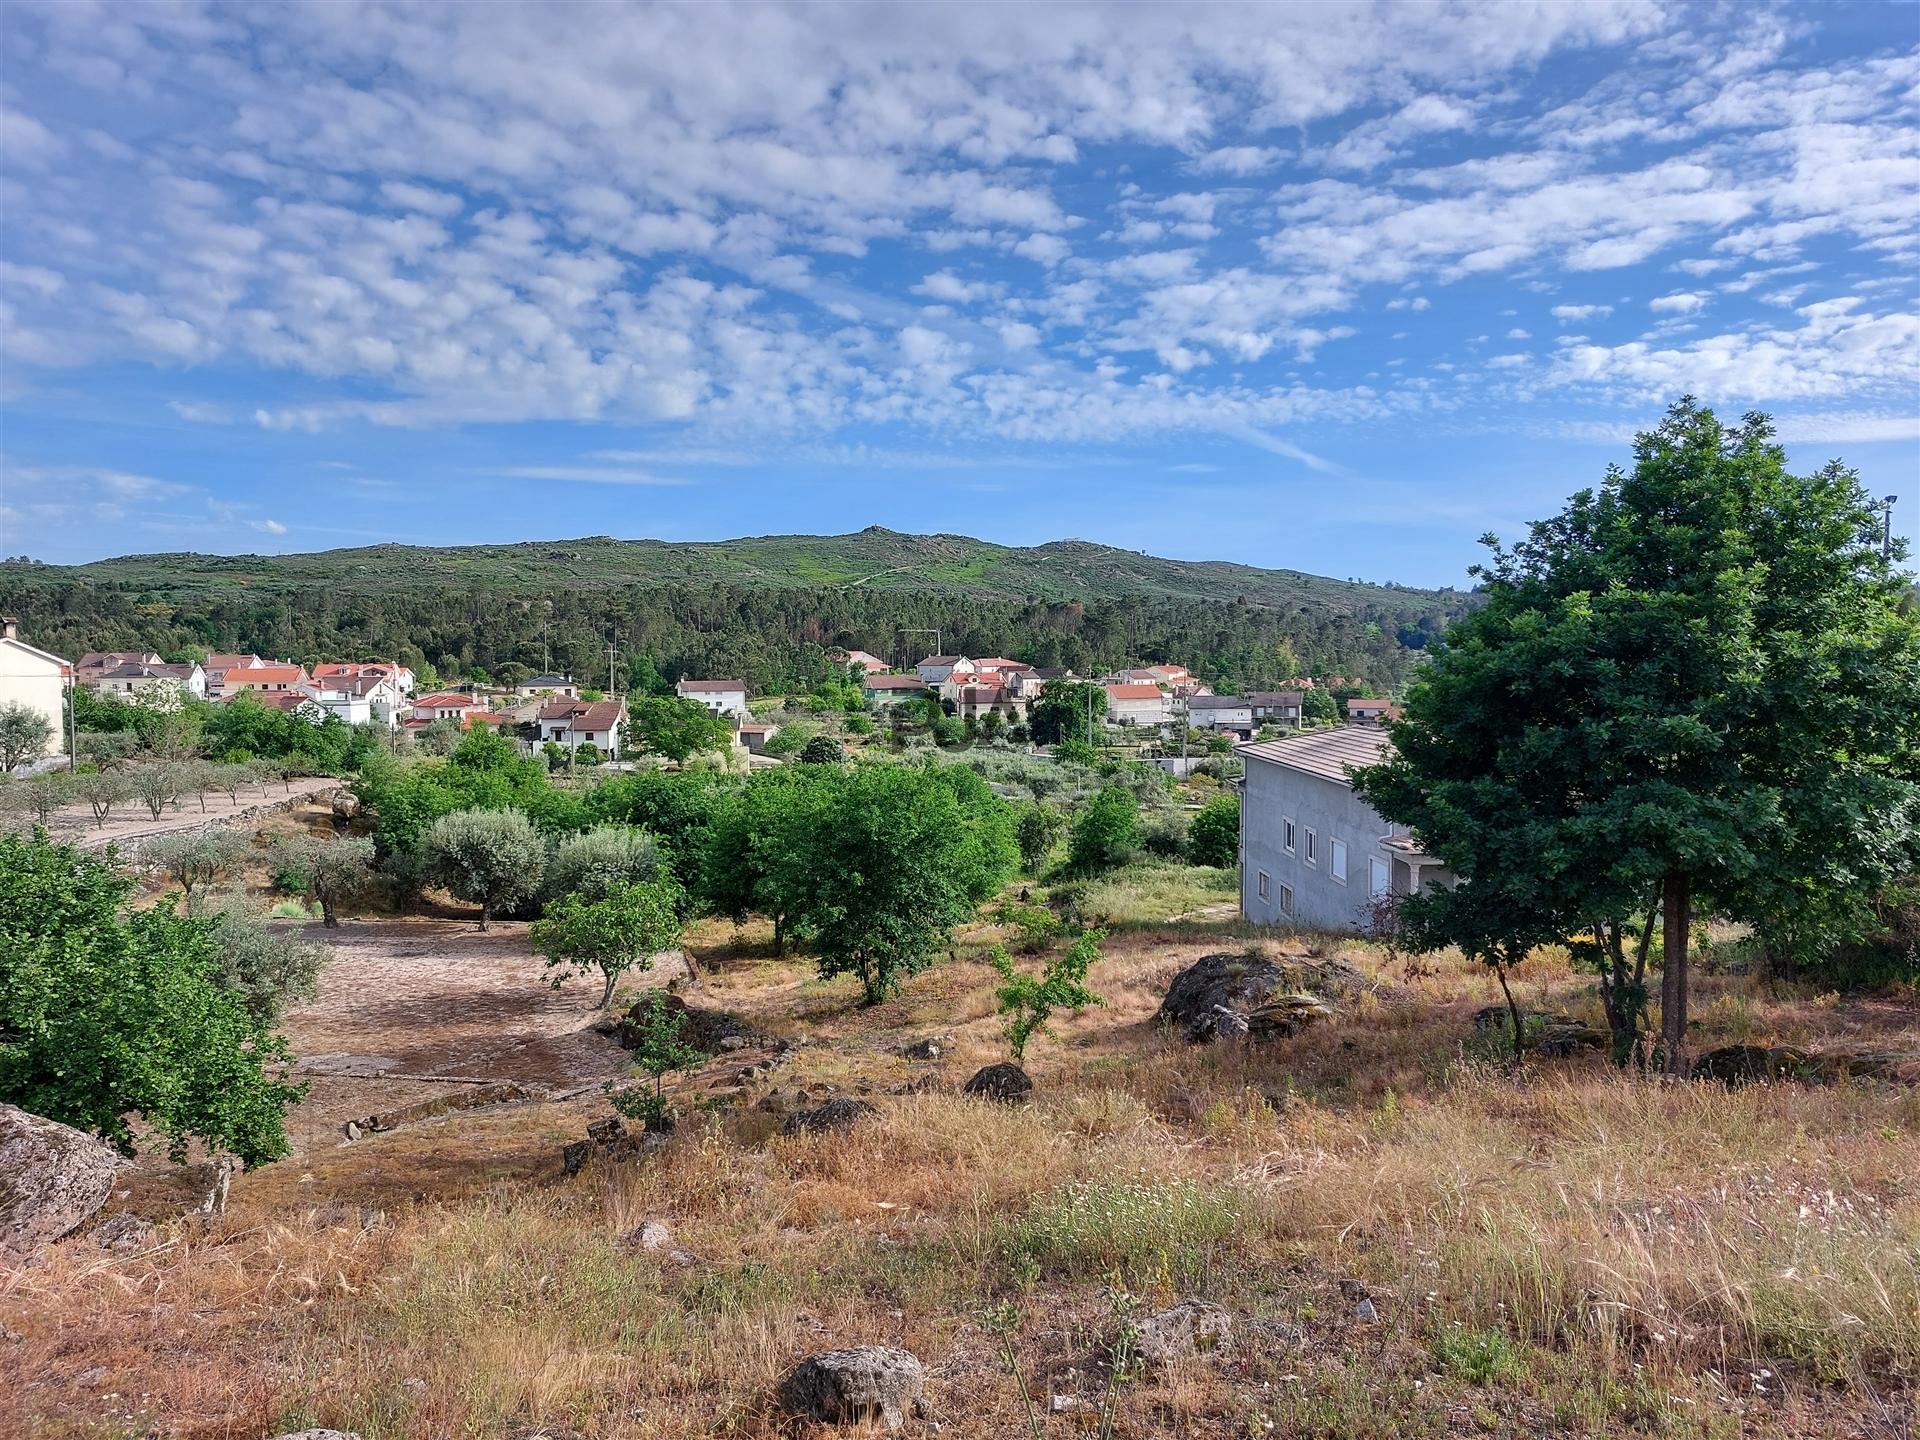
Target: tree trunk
486,913
1678,920
607,993
1513,1016
327,922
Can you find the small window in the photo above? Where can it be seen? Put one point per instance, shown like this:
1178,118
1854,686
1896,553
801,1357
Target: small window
1286,899
1313,849
1286,836
1266,886
1337,860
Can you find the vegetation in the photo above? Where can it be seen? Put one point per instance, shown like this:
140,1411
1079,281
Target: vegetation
660,1049
331,873
615,933
591,863
1106,833
106,1015
268,967
676,728
1214,837
194,857
1029,1001
25,736
489,858
1696,691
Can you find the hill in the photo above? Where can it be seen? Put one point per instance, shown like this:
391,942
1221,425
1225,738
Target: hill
767,605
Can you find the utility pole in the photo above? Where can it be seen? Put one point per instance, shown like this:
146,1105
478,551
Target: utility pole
610,653
1886,534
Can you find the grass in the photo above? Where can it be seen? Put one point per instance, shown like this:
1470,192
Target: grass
1565,1251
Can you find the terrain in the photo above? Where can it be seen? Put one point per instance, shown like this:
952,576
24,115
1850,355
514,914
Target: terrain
1564,1250
766,610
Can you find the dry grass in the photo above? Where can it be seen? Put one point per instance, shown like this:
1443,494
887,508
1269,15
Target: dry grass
1569,1251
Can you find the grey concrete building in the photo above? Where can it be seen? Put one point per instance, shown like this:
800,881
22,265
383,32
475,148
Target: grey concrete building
1312,853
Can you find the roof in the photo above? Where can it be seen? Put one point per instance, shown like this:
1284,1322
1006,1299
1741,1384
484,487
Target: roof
270,674
1000,662
445,700
1171,670
1051,672
756,727
19,644
1220,702
1277,697
982,682
107,659
491,717
943,660
1136,692
542,682
284,700
1370,702
600,715
1330,754
894,682
232,662
712,687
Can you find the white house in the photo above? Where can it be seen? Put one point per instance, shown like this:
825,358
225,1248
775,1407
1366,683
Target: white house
1220,712
398,677
363,699
36,679
267,680
938,669
573,723
136,681
561,685
447,705
1313,853
1371,710
723,697
1137,704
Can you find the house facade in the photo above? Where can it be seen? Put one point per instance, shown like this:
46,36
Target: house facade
36,679
1371,710
561,685
447,705
1137,703
974,697
573,723
1221,712
883,690
865,659
362,699
1277,707
723,697
141,680
938,669
268,680
218,667
1312,852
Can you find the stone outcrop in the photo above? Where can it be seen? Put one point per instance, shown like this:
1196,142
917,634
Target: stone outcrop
862,1383
841,1113
53,1179
1005,1082
1221,997
1192,1327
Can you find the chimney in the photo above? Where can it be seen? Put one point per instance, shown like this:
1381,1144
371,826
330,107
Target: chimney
9,628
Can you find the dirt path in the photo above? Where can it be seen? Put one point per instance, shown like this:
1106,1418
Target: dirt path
410,1009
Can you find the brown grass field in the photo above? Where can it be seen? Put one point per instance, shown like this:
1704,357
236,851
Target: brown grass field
1562,1251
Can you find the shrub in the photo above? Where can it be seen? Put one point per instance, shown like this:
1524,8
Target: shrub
1040,829
192,858
1150,1234
1477,1356
1214,838
1107,832
822,750
1028,1002
660,1048
1164,833
266,967
591,863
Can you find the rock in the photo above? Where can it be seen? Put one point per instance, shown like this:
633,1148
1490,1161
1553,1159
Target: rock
865,1382
124,1234
1060,1404
925,1085
1851,1063
1563,1038
319,1435
655,1237
91,1376
1192,1327
1004,1082
733,1042
1749,1064
1227,996
53,1179
705,1030
574,1156
351,1131
1365,1312
345,803
10,1336
607,1130
931,1048
838,1114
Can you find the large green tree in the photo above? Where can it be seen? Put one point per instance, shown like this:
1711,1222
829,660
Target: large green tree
1696,690
107,1014
490,858
1067,710
676,728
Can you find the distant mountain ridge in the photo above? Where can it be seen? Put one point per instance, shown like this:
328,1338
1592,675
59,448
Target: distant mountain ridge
875,558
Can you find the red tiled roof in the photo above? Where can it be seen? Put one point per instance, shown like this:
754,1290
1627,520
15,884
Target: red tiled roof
713,687
267,674
446,701
894,682
1135,692
997,662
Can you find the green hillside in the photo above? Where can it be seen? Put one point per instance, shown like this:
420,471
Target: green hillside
765,609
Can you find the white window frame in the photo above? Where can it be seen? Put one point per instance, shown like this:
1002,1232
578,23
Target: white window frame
1286,833
1266,885
1377,866
1312,848
1336,860
1286,899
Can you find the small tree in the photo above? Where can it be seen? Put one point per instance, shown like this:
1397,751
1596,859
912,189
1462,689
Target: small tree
676,728
194,858
102,791
1319,706
45,794
267,966
24,736
1107,832
822,750
591,863
660,1049
331,873
1029,1002
1041,827
1214,838
157,785
489,858
106,749
613,935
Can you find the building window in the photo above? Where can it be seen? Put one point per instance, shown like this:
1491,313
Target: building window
1313,849
1379,878
1286,836
1266,886
1337,860
1286,899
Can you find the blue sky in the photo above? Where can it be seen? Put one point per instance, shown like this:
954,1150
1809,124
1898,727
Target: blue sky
1329,287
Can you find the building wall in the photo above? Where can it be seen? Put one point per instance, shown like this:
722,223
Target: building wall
724,702
35,683
1332,811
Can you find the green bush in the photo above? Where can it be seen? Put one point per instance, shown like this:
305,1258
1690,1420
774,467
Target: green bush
489,858
1214,838
1105,834
592,862
1477,1356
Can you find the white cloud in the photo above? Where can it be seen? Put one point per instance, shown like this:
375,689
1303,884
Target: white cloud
268,527
1568,313
1679,303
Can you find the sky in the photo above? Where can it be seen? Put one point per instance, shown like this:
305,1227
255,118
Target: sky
1329,287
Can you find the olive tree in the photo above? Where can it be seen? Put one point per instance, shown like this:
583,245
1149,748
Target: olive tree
590,863
490,858
24,736
194,858
331,873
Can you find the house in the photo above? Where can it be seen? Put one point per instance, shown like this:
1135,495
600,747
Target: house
217,668
573,723
1221,712
267,680
723,697
938,669
865,659
561,685
366,698
1313,853
447,705
398,676
754,734
1026,684
1277,707
1371,710
1000,665
883,690
1137,703
36,679
141,680
95,663
976,696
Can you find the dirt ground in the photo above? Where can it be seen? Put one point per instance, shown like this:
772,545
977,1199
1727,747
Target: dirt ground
131,822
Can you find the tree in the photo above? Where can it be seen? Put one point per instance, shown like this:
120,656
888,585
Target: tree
1029,1001
1067,710
102,791
1106,833
890,857
265,965
46,793
194,858
489,858
591,863
1318,705
738,870
1214,837
106,1014
676,728
106,749
331,873
1040,828
614,934
822,750
157,784
1693,691
24,736
660,1049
